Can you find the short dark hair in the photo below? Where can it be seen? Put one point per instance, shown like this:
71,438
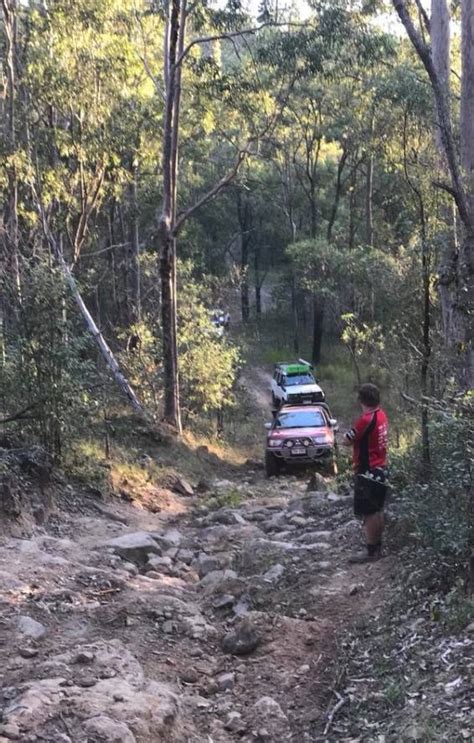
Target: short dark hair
369,394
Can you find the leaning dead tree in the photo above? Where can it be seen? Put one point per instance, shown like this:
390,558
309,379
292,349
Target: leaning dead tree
104,348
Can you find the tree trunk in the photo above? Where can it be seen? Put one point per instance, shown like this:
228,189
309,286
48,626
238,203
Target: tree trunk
11,212
465,297
244,285
116,308
425,361
135,303
296,320
369,192
244,216
440,49
313,209
172,411
337,195
352,209
258,282
318,319
174,39
258,300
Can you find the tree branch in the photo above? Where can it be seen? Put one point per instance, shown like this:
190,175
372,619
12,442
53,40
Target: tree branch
212,193
444,187
231,35
20,415
423,15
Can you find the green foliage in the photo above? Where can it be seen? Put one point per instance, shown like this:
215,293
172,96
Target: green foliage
48,367
441,507
208,362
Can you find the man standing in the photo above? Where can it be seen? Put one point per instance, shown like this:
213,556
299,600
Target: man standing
369,438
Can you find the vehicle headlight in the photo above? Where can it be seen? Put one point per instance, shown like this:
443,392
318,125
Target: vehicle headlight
307,442
289,444
323,439
273,443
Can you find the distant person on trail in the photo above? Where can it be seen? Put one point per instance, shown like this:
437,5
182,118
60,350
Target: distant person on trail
368,439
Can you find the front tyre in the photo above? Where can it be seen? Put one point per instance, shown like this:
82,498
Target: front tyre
272,465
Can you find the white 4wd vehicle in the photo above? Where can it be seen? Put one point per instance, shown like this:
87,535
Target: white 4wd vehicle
294,383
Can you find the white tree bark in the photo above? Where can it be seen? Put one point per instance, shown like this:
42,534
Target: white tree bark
440,49
467,98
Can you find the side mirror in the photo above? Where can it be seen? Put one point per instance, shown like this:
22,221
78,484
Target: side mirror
333,423
268,426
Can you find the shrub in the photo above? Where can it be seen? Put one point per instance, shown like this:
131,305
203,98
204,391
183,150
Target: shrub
441,506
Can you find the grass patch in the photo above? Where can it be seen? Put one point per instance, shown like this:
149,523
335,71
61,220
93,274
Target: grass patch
395,692
231,498
85,463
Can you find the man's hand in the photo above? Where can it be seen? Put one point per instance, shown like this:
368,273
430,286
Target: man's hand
349,437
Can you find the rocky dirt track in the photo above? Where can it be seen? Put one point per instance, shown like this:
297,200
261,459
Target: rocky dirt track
217,624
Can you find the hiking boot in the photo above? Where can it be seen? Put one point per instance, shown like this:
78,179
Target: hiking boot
372,554
361,557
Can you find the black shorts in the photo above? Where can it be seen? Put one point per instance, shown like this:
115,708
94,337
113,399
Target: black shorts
369,495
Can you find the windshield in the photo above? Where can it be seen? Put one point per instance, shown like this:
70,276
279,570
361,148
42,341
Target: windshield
299,379
300,419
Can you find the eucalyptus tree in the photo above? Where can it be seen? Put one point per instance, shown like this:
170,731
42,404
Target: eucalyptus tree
431,40
254,107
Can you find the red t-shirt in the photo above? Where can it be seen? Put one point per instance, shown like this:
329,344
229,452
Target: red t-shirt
369,437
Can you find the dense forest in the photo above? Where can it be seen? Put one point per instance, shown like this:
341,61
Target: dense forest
161,160
155,159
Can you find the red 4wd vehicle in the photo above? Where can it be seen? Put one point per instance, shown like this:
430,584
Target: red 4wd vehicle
301,435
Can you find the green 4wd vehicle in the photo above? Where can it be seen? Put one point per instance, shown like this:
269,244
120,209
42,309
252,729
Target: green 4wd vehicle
293,383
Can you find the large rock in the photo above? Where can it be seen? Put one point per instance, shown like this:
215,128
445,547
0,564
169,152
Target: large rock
118,701
226,516
31,628
108,730
183,487
310,504
225,681
242,640
268,708
274,573
168,539
135,547
336,498
317,482
272,721
313,536
205,564
160,564
216,578
276,522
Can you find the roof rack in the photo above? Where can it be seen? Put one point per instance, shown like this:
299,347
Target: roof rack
294,367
